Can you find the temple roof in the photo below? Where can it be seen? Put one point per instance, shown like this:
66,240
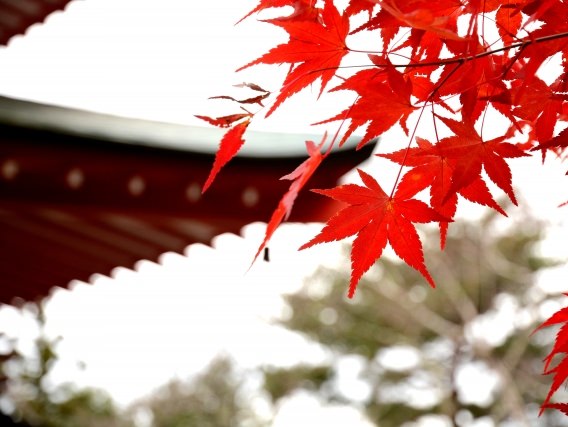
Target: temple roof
83,192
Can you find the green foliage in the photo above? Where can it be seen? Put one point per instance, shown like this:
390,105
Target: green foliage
213,399
25,386
438,329
281,382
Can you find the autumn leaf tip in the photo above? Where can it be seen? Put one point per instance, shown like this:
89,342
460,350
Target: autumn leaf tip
351,293
208,181
307,245
205,186
353,287
427,276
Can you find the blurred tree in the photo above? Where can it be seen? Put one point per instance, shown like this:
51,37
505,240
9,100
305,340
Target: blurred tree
460,353
213,399
33,402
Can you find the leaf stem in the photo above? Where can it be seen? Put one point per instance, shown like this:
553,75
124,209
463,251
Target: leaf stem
430,98
338,131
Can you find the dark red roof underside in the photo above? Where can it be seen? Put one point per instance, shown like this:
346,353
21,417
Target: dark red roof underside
16,16
73,206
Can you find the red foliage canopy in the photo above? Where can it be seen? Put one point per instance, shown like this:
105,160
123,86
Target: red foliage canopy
456,61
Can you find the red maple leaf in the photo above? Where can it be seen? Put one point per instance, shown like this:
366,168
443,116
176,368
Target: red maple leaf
424,18
438,17
315,50
558,144
224,121
303,9
376,219
434,170
552,14
230,144
471,154
383,101
562,407
560,371
484,6
299,178
358,6
479,84
559,141
508,19
477,81
539,104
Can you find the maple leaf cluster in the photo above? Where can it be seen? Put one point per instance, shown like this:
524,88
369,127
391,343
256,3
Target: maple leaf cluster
427,61
454,63
560,371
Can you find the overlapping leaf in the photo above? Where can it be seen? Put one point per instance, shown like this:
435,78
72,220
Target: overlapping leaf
560,371
358,6
230,144
299,178
376,219
557,143
472,154
303,9
315,50
438,17
430,168
383,100
538,103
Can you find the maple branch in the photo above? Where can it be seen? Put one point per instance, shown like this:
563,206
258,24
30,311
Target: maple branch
410,139
521,45
461,60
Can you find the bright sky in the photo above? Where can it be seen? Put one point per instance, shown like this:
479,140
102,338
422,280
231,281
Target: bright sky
162,60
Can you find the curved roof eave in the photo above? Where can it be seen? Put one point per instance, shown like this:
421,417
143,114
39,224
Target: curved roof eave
111,128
